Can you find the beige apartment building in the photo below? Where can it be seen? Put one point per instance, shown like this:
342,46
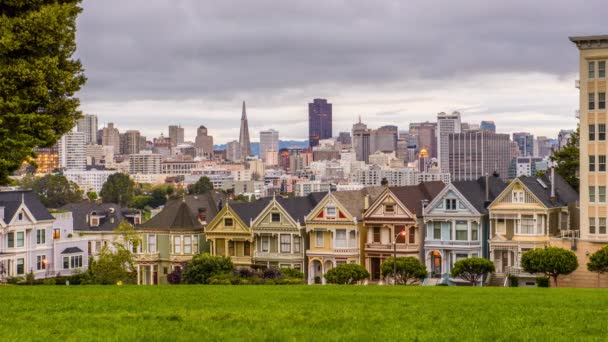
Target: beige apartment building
593,151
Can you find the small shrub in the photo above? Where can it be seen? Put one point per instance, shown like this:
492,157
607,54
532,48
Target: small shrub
317,280
244,272
472,269
30,278
346,274
271,273
409,270
15,280
175,277
49,281
205,266
513,281
289,281
292,273
542,281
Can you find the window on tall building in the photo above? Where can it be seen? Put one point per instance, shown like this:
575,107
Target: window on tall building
591,163
40,236
591,194
20,239
462,230
601,100
527,224
591,69
601,69
602,225
591,132
376,234
601,193
591,101
436,230
592,225
474,231
285,243
41,262
601,163
601,131
296,244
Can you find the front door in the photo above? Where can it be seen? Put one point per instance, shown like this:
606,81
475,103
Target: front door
505,261
435,264
375,268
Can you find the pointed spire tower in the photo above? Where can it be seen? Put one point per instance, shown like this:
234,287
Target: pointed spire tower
244,136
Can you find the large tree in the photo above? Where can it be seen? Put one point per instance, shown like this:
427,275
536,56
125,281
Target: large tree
567,160
552,261
409,270
202,186
38,77
53,191
347,274
598,261
119,188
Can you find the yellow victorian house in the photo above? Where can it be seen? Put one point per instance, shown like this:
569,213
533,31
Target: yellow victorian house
528,213
334,231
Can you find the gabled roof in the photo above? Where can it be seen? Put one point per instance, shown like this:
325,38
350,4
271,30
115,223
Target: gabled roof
475,191
296,207
183,213
11,200
564,193
412,195
111,215
248,211
354,201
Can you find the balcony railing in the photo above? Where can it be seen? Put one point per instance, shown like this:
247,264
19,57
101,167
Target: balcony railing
519,272
390,247
570,234
452,243
275,255
346,250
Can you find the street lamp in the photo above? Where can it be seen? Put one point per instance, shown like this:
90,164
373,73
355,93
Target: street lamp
401,233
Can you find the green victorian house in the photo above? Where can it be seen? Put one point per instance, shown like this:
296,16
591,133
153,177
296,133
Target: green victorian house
172,237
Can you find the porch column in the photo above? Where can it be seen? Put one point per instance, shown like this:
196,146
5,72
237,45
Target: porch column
151,275
453,230
138,275
469,230
292,243
226,252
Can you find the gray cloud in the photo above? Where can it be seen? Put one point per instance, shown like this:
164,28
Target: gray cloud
281,54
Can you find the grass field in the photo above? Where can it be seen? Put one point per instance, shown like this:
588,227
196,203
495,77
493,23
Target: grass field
319,313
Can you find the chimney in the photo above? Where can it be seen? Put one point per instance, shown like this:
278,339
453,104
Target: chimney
553,197
366,202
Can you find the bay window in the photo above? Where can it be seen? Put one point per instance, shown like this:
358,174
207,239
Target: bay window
474,231
319,239
340,238
437,230
527,224
296,244
265,243
187,244
461,230
285,243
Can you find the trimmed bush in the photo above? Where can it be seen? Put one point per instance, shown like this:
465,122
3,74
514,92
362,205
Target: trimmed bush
346,274
204,266
292,273
409,270
552,261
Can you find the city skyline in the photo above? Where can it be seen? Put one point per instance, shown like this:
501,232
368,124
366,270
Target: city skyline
200,78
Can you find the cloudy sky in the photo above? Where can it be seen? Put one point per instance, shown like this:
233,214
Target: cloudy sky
151,63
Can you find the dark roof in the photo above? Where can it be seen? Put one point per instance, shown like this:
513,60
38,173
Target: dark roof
183,213
475,191
296,207
11,200
71,250
354,201
412,195
248,211
111,215
564,193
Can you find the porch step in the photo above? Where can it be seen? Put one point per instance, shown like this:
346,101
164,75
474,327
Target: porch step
431,281
496,280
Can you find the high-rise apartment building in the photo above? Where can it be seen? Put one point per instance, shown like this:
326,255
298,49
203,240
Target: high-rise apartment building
446,124
132,142
478,153
145,163
488,126
269,141
88,125
203,143
361,141
563,137
244,141
319,121
525,142
233,151
72,151
384,139
111,137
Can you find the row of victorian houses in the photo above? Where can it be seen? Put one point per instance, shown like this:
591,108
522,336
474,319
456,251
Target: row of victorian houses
437,223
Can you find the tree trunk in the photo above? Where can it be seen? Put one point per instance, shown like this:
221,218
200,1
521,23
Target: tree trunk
555,279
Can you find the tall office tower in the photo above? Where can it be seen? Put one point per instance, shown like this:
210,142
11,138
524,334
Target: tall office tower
319,121
244,135
563,137
474,154
203,143
269,141
525,142
345,139
111,137
383,139
88,125
361,143
176,135
488,126
72,151
47,159
145,163
543,147
132,142
446,124
233,151
593,147
424,136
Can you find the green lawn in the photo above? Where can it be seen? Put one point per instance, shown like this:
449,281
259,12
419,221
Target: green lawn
293,313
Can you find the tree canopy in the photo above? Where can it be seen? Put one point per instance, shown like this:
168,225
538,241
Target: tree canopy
552,261
472,269
119,188
598,261
39,77
204,266
409,270
346,274
53,191
567,160
202,186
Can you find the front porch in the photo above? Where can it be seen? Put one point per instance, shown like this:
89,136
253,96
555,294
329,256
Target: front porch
239,249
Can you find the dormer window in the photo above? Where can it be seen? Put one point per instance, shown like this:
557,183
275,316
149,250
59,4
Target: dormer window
20,217
275,217
228,222
450,204
94,222
389,209
330,212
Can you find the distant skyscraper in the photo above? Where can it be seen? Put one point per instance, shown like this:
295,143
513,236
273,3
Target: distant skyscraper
489,126
269,141
474,154
361,141
446,124
204,143
244,135
72,151
345,139
525,142
319,121
132,142
111,137
176,135
88,125
233,151
383,139
563,137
